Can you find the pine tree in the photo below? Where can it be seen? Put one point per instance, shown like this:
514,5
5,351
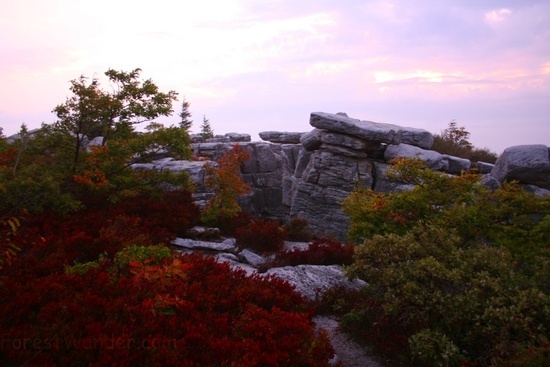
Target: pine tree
206,129
185,116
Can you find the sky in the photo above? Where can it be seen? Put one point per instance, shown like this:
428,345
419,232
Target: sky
250,66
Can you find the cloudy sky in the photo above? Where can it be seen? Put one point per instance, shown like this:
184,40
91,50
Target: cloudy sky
252,66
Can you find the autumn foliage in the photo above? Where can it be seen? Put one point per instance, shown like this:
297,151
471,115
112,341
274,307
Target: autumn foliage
319,252
458,273
226,182
261,235
93,294
185,311
88,276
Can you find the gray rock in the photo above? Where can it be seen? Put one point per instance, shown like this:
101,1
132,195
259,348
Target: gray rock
433,159
265,171
251,258
349,141
528,164
145,166
456,165
383,184
196,138
311,140
238,137
326,181
302,162
218,139
195,169
211,151
227,257
490,182
348,152
95,142
313,280
292,152
484,167
372,131
202,232
204,245
538,191
281,137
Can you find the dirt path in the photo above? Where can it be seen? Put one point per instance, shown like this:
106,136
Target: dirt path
349,353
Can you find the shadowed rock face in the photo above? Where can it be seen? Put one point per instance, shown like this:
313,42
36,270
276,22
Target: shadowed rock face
308,175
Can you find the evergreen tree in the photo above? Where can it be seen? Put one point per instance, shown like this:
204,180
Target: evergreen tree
185,115
206,129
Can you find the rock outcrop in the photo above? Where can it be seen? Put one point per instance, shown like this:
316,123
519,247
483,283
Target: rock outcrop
309,280
528,164
309,174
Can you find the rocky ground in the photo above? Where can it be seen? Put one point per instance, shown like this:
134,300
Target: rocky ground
347,351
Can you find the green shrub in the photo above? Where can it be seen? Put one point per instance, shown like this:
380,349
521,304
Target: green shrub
148,254
434,349
82,268
451,266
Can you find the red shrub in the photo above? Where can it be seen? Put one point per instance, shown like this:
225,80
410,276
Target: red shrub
175,211
261,235
320,252
185,312
296,230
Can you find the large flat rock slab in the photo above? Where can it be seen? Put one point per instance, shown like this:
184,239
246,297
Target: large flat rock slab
372,131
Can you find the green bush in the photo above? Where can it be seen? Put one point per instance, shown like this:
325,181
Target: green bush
456,270
148,254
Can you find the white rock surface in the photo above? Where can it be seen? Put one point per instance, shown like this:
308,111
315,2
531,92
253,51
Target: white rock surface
227,245
310,280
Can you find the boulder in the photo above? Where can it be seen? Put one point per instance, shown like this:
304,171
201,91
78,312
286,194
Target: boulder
381,183
372,131
251,258
456,165
311,140
225,246
484,167
538,191
281,137
490,182
313,280
433,159
528,164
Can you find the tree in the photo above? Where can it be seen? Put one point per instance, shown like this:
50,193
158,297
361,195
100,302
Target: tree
454,141
92,112
58,170
206,129
185,116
